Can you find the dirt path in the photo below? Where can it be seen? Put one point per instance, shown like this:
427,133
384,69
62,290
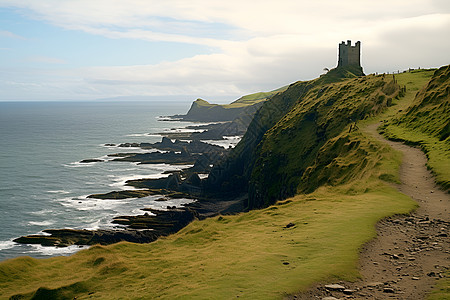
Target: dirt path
410,252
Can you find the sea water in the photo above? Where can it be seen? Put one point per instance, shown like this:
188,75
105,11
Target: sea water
43,185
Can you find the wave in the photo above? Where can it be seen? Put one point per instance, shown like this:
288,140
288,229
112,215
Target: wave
78,164
162,205
53,251
42,223
42,212
138,134
7,245
160,172
83,203
203,175
228,141
120,181
183,130
165,167
58,192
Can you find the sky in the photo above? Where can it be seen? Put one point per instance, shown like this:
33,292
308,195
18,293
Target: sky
211,49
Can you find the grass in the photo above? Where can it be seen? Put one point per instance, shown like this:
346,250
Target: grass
254,98
442,289
300,152
250,255
244,101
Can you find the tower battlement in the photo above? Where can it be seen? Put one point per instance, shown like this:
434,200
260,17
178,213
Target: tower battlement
349,55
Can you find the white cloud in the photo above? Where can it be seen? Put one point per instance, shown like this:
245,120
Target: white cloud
8,34
259,45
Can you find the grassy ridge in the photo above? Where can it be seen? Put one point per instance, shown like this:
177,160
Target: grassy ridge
290,149
254,98
246,100
287,133
244,107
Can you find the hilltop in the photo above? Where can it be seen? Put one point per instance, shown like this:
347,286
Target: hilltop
321,182
203,111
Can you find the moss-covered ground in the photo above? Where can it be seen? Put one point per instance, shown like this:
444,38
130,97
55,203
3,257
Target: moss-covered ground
261,254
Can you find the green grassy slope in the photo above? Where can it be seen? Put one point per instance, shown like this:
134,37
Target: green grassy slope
262,254
202,110
290,147
254,98
289,130
427,123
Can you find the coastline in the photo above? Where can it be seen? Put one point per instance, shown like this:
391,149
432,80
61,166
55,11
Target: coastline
180,146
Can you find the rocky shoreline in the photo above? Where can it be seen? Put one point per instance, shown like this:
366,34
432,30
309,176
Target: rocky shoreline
186,183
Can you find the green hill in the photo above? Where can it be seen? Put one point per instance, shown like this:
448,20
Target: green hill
287,133
301,143
202,110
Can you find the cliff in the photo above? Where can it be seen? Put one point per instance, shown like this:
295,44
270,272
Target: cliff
286,140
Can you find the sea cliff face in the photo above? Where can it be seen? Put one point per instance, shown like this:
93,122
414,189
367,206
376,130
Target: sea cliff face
287,138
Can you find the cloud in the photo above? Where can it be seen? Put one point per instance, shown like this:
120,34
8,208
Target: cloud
256,45
8,34
183,21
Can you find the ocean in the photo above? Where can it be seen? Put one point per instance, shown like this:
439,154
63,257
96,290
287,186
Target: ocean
43,185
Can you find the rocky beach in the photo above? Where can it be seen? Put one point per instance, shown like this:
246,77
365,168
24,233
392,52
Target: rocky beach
184,147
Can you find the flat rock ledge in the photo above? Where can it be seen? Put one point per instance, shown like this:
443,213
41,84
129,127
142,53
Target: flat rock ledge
144,228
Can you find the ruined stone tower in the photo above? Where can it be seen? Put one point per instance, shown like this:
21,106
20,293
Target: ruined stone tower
349,55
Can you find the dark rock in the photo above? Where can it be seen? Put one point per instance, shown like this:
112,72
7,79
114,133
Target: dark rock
389,290
67,237
141,229
166,141
134,145
86,161
158,157
289,225
128,194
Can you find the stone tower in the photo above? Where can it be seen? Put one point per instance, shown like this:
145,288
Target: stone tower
349,55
